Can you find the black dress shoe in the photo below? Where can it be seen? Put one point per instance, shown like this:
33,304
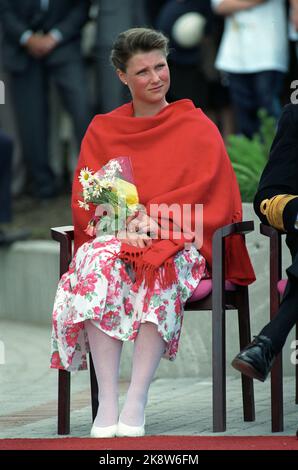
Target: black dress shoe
256,359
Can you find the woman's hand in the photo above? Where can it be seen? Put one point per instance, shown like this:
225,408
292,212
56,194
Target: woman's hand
139,240
140,230
142,224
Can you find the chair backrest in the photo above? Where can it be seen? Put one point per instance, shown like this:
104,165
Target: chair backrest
275,264
64,236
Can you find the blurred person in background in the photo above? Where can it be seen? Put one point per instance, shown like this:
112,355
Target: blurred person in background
254,54
186,23
41,43
194,32
293,23
6,152
152,9
112,18
219,107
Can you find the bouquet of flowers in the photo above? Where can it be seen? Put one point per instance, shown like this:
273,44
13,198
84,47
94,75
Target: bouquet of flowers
112,191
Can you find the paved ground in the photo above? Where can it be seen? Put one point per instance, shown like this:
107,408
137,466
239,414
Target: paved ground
28,391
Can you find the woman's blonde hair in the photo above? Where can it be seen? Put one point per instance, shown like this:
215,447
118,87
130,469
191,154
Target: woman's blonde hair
134,40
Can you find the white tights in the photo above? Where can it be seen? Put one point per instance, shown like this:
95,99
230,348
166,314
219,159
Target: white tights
106,351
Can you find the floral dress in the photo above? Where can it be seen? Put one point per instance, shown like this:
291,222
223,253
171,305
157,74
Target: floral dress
100,287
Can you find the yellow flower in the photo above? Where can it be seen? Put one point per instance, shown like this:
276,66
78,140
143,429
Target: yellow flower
127,190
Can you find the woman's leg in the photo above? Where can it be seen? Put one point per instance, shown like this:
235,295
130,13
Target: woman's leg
106,352
148,350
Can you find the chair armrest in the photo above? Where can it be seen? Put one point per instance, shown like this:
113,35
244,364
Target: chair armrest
270,231
275,249
64,236
236,228
59,233
218,251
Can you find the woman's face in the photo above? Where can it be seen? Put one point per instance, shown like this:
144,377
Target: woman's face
147,76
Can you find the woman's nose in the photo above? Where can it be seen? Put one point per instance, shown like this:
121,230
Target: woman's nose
154,77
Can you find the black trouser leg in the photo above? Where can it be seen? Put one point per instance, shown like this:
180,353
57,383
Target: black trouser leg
29,92
71,81
279,328
6,152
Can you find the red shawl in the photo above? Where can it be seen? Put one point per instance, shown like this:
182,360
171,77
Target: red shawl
178,156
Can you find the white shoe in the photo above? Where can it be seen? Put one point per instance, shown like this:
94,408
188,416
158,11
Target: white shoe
104,431
130,431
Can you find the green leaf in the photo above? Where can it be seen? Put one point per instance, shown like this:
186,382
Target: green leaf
249,156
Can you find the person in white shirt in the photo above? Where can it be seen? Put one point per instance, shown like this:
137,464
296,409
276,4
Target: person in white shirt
254,55
293,23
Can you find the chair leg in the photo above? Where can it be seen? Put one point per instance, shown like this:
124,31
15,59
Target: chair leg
63,402
244,339
218,367
277,420
94,389
277,404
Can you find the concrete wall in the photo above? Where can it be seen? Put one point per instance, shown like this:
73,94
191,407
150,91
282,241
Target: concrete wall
28,280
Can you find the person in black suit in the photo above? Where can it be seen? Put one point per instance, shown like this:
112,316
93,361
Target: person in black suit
6,151
41,41
276,204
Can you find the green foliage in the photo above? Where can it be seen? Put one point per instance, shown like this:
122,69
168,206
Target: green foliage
249,156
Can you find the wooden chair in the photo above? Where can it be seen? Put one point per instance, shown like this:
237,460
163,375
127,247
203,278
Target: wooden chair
277,287
217,295
65,235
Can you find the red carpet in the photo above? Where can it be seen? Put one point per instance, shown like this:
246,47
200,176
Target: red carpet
156,443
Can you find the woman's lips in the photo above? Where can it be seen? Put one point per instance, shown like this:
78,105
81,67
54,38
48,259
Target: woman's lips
155,88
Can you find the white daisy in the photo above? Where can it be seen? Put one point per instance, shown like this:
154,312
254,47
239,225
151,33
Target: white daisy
85,177
83,205
97,190
86,195
106,183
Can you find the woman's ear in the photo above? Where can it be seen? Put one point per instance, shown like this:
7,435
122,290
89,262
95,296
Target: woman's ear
122,76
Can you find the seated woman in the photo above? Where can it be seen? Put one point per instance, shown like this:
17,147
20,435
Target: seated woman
131,286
